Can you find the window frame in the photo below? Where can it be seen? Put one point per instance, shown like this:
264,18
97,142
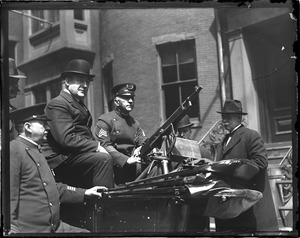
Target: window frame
46,16
178,83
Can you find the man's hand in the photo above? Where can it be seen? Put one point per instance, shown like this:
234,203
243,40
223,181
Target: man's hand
136,152
95,191
133,159
101,149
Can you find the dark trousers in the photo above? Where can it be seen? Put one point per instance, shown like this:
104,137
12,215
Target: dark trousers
86,170
246,222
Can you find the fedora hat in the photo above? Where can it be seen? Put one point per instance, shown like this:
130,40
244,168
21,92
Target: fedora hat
78,66
232,107
184,122
13,71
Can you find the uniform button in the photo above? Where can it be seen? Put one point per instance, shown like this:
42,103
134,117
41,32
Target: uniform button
50,204
114,119
44,184
38,164
118,131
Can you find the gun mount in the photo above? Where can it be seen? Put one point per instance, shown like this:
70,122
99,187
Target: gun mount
156,139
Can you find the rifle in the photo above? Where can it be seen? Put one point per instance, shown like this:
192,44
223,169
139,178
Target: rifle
180,112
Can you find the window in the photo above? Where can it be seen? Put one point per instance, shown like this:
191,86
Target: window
44,93
49,15
79,14
179,75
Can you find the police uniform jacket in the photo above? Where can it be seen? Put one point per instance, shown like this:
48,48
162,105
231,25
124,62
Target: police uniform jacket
70,128
120,135
247,144
35,197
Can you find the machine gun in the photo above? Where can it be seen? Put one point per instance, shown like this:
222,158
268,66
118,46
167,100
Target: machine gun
156,139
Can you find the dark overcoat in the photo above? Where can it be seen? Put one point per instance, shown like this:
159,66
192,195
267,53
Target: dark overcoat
70,127
247,144
35,196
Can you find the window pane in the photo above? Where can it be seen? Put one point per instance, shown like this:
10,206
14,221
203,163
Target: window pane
186,52
40,94
187,71
53,16
78,14
169,74
36,24
168,54
186,90
172,99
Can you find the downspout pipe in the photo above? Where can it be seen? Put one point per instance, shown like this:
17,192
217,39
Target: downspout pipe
220,57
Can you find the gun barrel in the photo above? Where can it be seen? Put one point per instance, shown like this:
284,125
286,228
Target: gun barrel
178,114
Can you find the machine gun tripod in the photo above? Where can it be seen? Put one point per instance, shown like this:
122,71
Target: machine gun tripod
164,138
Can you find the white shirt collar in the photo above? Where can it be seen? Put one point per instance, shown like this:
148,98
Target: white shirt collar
31,141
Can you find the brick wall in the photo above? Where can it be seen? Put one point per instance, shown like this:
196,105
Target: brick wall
127,34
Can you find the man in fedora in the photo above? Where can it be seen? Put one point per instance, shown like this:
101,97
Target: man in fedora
75,156
14,89
34,195
14,78
242,143
195,221
121,134
183,130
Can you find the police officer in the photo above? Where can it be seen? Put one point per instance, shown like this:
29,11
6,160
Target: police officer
35,197
121,135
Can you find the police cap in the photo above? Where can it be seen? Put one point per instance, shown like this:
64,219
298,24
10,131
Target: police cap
35,112
124,89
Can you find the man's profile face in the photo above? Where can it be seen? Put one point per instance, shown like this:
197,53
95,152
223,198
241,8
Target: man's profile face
38,130
13,87
78,85
125,103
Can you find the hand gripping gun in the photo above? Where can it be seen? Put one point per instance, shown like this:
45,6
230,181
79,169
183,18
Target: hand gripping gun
155,141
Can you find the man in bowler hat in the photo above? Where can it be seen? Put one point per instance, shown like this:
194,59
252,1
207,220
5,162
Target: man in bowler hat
245,144
75,156
34,195
121,134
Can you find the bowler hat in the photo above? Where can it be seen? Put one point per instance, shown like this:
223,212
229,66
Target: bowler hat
78,66
124,89
184,122
13,71
232,107
35,112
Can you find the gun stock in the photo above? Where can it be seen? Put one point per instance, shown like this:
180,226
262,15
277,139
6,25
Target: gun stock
178,114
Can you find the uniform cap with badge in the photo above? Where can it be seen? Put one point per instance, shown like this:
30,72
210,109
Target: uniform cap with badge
124,89
26,114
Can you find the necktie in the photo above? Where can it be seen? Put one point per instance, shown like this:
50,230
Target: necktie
82,104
